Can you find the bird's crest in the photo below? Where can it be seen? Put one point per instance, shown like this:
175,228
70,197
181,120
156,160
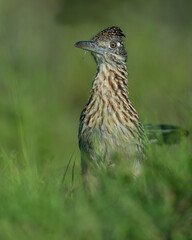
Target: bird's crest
109,33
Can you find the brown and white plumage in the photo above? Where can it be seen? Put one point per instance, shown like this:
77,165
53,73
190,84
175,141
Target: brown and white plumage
110,128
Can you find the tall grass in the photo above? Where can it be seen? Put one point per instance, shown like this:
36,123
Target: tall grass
155,206
44,83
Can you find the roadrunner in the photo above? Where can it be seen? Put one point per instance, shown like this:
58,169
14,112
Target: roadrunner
110,128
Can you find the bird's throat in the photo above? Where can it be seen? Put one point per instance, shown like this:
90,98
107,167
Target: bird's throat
110,82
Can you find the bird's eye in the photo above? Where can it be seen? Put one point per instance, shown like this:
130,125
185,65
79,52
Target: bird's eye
113,44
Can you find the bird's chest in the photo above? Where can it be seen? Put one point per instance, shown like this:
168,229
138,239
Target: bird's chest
102,119
108,124
103,133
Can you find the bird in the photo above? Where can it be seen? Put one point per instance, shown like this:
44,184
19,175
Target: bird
110,128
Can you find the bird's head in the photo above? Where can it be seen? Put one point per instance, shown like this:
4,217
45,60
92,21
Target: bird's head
107,46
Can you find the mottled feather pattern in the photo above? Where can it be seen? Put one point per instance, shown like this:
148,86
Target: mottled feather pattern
110,115
110,128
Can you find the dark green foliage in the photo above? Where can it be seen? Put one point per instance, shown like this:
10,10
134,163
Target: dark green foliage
45,82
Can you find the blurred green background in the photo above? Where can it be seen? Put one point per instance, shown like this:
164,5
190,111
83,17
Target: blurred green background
45,80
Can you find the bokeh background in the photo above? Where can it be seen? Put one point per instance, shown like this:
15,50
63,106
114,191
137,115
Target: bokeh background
45,80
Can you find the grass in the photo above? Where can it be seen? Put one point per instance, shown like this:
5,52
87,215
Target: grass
156,206
44,84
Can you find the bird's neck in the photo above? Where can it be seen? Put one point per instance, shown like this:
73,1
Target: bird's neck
109,92
109,100
110,80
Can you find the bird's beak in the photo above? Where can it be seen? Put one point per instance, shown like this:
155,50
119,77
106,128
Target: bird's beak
88,45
